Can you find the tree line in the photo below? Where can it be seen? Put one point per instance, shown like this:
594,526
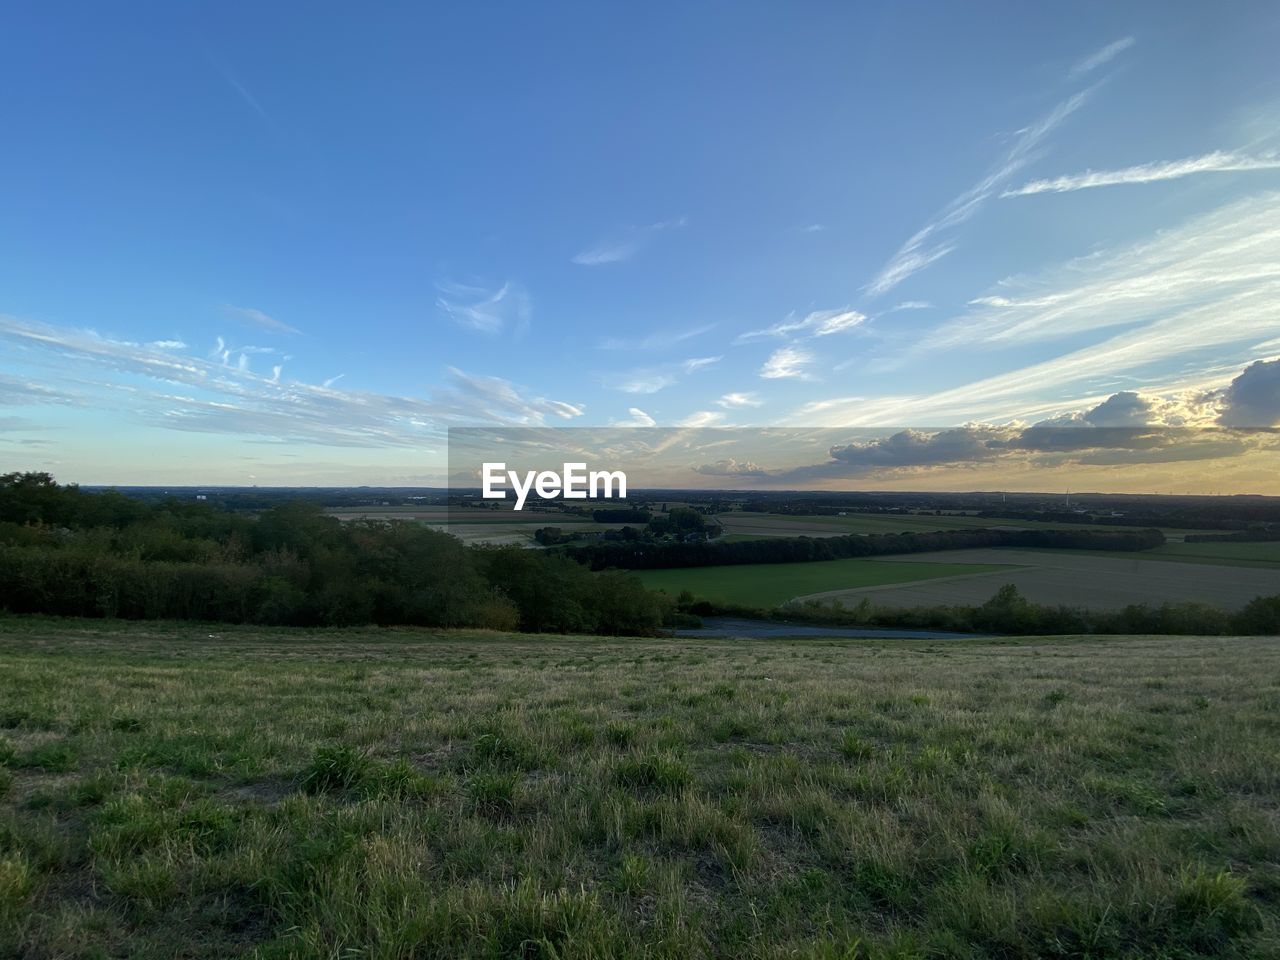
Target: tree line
1009,612
641,555
67,552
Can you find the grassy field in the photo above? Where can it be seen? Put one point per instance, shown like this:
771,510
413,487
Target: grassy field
769,584
180,791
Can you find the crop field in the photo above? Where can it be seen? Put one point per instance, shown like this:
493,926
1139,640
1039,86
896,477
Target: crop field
184,791
1072,578
743,525
477,526
770,584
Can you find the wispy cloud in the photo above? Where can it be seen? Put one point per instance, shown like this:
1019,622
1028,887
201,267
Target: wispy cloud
643,382
820,323
625,245
702,418
694,364
733,400
1219,161
1232,250
911,305
256,318
506,309
241,89
1101,57
651,379
655,341
174,391
637,418
1191,299
930,243
787,363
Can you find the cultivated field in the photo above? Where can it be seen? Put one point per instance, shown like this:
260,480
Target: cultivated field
499,527
753,526
1068,577
179,791
770,584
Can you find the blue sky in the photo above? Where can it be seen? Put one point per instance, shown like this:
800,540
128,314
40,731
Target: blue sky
290,243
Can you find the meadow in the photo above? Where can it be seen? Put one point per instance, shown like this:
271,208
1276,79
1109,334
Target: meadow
771,584
208,791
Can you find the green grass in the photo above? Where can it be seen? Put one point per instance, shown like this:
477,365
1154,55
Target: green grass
195,791
770,584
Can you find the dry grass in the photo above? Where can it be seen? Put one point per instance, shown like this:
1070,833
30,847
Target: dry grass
399,794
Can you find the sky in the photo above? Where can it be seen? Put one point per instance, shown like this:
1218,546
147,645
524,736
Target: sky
293,244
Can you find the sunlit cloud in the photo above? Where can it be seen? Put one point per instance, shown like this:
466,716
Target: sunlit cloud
786,363
819,323
1219,161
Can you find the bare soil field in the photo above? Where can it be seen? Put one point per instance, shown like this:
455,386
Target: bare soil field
1047,577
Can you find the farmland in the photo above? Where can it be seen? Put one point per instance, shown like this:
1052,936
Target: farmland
184,791
745,525
476,526
770,584
1068,577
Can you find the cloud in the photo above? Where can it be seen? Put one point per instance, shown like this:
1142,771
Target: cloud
210,395
1253,398
506,309
1200,281
1124,428
928,244
698,363
730,468
1218,161
241,89
702,418
638,419
652,379
168,344
786,363
655,341
649,382
820,323
911,448
732,400
624,247
256,318
1100,57
912,305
